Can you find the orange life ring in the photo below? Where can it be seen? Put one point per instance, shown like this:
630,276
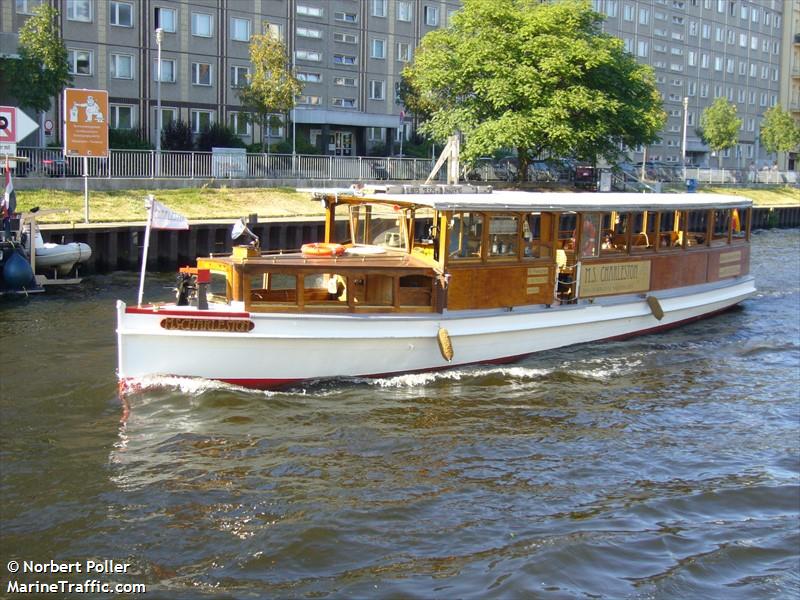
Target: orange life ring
322,249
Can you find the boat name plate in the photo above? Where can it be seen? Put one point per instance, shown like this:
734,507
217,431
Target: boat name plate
615,278
216,325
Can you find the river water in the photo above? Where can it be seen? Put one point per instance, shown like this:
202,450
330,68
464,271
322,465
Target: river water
661,467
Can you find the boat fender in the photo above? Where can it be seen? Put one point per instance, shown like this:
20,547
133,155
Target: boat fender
445,345
655,307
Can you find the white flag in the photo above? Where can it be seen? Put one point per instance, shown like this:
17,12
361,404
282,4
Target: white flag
166,218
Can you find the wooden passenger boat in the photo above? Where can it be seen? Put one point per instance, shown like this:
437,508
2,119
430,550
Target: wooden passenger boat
417,282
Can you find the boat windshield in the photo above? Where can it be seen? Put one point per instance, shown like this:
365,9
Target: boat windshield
379,225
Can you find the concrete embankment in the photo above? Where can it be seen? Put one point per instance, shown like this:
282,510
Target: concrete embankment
119,246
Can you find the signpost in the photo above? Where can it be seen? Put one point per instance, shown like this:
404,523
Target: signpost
85,130
15,125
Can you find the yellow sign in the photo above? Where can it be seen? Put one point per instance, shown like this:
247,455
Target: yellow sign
85,122
614,278
219,325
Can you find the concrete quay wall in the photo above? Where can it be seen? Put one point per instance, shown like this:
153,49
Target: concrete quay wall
119,246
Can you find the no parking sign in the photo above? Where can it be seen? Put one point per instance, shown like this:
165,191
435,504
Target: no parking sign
8,124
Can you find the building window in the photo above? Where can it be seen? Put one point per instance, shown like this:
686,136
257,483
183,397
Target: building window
627,12
345,38
239,76
310,55
25,7
344,102
122,66
375,134
692,27
377,89
202,24
378,48
379,8
168,115
344,59
201,74
611,8
309,100
706,31
240,29
642,48
628,42
403,52
79,10
345,81
166,19
309,77
273,30
308,32
345,17
167,70
644,16
431,16
201,120
121,116
120,14
692,58
404,10
309,11
239,123
80,61
704,60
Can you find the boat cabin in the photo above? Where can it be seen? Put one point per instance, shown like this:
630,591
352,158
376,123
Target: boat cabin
416,252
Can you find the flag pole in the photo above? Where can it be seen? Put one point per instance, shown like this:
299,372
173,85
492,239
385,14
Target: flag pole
149,204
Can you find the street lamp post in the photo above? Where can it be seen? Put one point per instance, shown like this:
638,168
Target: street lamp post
683,145
159,39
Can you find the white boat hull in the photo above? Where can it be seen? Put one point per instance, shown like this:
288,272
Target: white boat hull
283,348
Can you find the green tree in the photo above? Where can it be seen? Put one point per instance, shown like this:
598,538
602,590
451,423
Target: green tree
218,136
719,126
41,71
177,135
536,77
272,86
779,131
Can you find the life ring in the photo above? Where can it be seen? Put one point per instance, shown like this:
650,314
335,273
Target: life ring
322,249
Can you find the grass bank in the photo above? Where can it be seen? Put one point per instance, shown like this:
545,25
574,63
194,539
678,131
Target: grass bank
224,203
194,203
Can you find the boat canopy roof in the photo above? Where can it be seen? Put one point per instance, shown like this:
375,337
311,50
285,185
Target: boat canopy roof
520,201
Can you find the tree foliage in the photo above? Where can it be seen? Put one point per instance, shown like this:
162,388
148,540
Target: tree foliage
128,139
779,131
720,126
272,85
218,136
41,71
537,77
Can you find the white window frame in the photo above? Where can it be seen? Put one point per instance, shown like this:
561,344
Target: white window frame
161,11
374,46
113,65
234,122
25,7
196,71
237,81
431,15
644,16
196,18
340,102
309,100
345,59
345,17
405,11
379,8
345,81
375,134
377,89
113,11
72,10
248,28
274,30
310,11
194,119
309,76
113,116
165,110
72,60
627,13
308,32
345,38
404,52
309,55
642,48
163,61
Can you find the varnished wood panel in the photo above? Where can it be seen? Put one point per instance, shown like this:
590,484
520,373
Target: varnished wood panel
495,287
678,269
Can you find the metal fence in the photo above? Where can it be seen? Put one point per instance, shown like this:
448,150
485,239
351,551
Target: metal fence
147,164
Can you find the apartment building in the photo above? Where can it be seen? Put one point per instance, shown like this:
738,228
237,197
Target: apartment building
349,55
702,50
790,72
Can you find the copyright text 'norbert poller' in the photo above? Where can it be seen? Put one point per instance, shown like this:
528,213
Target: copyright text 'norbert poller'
24,577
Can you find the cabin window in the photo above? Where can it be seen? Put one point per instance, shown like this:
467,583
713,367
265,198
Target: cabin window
590,235
722,223
466,233
415,290
274,288
377,224
218,290
324,289
620,228
566,231
643,233
670,235
503,236
696,227
372,290
739,223
609,244
532,237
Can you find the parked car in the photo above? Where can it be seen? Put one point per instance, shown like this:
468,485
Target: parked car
58,166
585,177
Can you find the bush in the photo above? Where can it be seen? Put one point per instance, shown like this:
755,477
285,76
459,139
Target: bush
218,136
128,139
285,147
176,136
